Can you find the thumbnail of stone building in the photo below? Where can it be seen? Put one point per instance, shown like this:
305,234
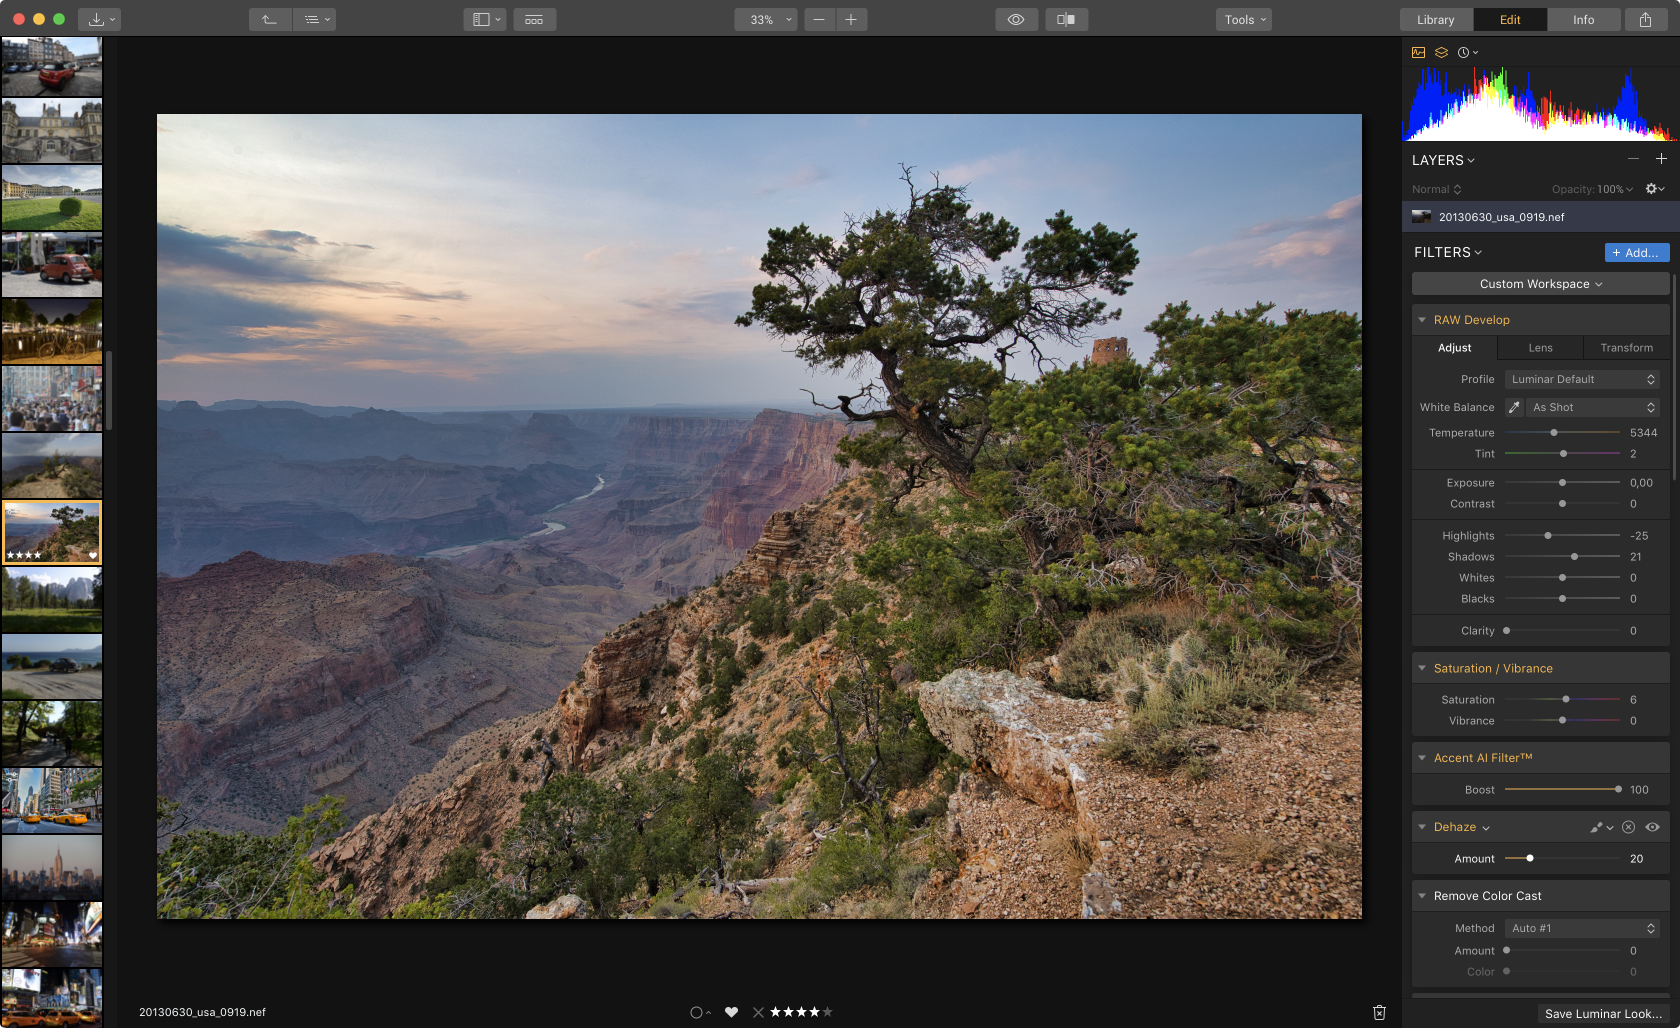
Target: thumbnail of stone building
81,135
1104,351
19,190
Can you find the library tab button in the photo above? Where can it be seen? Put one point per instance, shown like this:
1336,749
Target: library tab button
1436,19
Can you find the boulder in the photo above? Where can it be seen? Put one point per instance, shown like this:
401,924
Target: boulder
561,909
990,718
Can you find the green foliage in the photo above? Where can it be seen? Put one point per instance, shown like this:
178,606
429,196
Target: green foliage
502,751
851,597
751,655
461,867
647,731
720,800
432,908
70,206
697,746
208,874
1231,469
869,857
529,753
767,617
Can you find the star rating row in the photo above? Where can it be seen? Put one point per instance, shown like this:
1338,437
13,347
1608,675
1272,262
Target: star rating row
801,1011
23,556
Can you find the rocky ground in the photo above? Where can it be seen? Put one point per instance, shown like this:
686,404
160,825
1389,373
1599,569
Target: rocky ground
1042,826
1273,831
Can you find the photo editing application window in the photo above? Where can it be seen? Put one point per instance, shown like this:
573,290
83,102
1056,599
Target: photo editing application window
678,515
1538,214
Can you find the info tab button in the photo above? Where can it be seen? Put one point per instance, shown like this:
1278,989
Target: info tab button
1243,19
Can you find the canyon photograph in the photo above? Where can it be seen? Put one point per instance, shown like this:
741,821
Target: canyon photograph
822,518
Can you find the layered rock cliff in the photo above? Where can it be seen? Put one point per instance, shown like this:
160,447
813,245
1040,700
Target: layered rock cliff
281,680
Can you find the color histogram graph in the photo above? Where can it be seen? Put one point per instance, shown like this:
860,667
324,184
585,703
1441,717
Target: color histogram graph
1493,106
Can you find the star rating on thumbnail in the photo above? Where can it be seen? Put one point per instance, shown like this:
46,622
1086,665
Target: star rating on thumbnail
801,1011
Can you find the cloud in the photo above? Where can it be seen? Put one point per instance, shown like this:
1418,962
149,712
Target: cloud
998,164
39,444
802,176
716,306
610,254
1321,247
284,240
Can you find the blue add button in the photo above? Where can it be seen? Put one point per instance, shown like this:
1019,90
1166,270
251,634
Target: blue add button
1638,253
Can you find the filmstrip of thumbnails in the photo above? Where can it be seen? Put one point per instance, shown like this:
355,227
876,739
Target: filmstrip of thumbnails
53,412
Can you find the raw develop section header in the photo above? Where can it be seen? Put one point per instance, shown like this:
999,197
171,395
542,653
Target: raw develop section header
1581,668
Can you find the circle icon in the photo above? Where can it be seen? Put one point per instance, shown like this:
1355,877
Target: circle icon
1463,52
1016,19
58,19
39,19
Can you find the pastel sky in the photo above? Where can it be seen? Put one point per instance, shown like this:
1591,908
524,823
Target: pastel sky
74,176
34,852
41,513
412,262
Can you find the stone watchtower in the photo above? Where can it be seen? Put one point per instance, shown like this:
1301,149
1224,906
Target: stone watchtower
1104,351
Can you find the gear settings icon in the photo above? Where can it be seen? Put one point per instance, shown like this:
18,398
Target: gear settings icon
1651,187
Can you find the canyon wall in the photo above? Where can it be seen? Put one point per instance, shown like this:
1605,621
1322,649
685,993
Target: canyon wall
278,681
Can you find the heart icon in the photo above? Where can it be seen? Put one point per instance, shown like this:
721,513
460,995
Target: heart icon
731,1010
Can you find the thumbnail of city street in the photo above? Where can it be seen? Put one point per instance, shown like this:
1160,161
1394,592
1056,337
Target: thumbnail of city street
52,801
32,991
51,934
52,867
51,330
52,66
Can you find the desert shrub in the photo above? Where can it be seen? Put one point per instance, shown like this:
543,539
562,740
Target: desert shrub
1190,682
1254,849
513,773
529,753
766,616
644,687
1074,849
70,207
1155,749
647,732
502,751
751,655
852,597
919,816
671,670
536,736
554,735
402,841
460,868
722,647
697,745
